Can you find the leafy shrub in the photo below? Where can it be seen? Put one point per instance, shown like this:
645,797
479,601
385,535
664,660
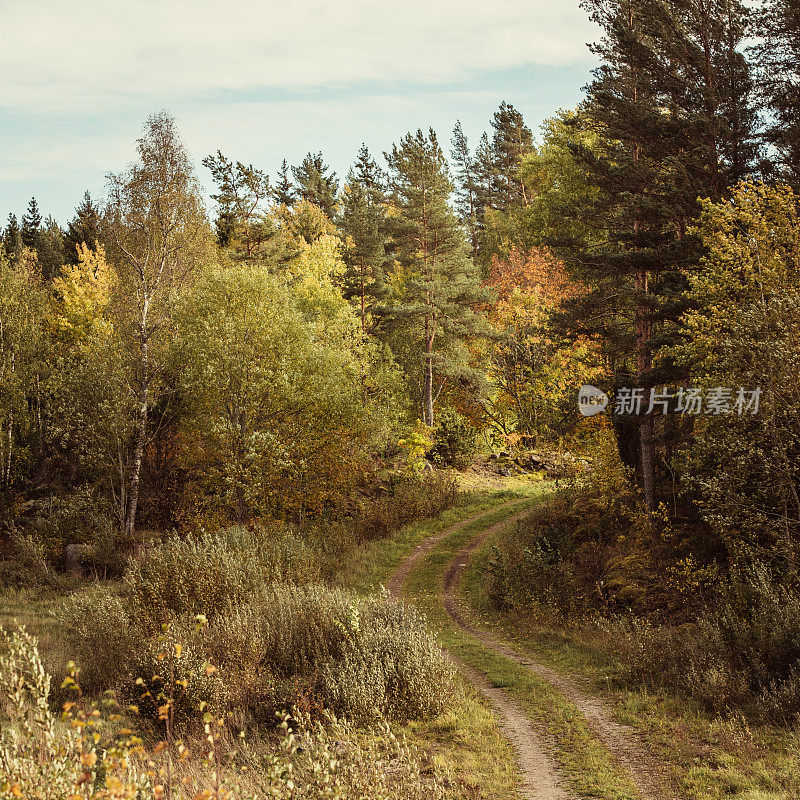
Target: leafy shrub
282,646
45,760
745,653
409,499
454,441
200,575
81,517
319,647
29,564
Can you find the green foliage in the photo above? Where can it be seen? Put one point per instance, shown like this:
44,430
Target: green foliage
315,184
437,290
281,391
744,468
745,654
454,441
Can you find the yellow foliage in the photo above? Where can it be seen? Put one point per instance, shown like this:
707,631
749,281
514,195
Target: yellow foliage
84,291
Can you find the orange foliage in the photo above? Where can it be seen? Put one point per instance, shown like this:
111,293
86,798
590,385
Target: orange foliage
536,272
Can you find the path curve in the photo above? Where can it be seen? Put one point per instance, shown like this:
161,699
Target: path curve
621,741
540,781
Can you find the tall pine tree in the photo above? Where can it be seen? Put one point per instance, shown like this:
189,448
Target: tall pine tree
362,225
370,176
441,289
778,70
12,238
467,189
315,184
242,191
284,192
31,224
83,228
512,140
672,102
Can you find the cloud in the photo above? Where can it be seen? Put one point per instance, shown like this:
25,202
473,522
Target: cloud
58,56
264,81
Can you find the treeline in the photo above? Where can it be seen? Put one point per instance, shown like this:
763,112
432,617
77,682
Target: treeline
268,362
292,359
670,196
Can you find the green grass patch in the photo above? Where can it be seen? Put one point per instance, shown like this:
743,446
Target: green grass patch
371,565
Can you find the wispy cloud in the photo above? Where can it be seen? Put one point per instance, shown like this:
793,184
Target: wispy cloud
262,78
57,55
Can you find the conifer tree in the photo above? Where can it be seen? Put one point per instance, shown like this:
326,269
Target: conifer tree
50,252
671,99
466,186
284,192
315,184
512,140
12,238
31,224
83,228
484,175
778,69
362,223
242,190
441,289
370,176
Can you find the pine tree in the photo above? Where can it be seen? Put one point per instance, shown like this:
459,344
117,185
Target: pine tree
362,222
441,287
242,190
370,176
315,184
778,62
50,251
284,192
31,224
466,186
672,101
83,228
12,238
512,140
484,175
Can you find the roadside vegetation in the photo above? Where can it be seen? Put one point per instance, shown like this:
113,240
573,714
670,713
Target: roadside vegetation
224,429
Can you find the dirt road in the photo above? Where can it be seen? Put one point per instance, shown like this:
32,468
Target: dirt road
540,778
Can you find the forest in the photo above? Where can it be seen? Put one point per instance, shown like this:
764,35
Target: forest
235,432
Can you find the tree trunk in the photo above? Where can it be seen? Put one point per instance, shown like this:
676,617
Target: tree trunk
427,392
136,466
646,426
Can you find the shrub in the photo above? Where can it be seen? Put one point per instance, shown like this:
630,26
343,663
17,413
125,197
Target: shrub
88,756
454,441
409,499
312,647
200,575
318,647
29,564
745,653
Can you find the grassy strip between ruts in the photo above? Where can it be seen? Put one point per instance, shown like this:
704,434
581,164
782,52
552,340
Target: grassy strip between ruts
711,757
466,740
588,767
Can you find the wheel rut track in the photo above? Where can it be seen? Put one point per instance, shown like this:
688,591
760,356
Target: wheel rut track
539,778
621,741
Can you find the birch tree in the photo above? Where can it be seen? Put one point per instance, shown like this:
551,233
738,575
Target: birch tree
158,236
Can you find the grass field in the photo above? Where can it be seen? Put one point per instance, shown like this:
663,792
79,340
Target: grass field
711,757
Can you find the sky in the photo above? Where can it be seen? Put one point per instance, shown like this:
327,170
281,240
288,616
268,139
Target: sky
263,81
